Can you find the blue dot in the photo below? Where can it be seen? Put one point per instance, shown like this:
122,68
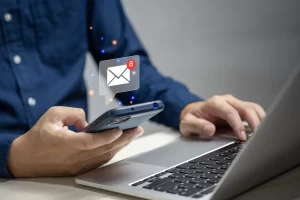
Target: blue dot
102,51
118,60
132,97
120,103
102,38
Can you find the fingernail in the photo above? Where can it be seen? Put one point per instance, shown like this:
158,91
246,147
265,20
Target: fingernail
243,135
117,133
139,132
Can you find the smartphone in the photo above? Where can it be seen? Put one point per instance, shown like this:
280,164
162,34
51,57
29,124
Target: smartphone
125,117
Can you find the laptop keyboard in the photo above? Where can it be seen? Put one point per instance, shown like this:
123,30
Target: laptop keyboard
196,177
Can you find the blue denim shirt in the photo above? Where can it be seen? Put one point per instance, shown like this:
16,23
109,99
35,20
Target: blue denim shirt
43,45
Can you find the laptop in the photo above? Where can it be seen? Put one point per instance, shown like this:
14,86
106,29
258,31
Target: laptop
220,168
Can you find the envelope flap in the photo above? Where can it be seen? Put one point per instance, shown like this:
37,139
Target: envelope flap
117,70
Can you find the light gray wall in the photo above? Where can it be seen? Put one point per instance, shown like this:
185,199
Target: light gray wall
243,47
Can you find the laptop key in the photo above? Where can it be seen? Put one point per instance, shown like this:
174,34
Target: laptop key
157,183
185,166
173,170
203,170
138,183
198,180
224,167
172,191
190,192
200,186
176,175
166,186
218,171
207,175
193,175
219,163
208,162
197,166
240,146
182,180
197,196
186,185
153,179
175,190
213,166
149,178
217,158
224,154
228,158
233,150
232,156
208,190
187,171
213,180
204,185
224,162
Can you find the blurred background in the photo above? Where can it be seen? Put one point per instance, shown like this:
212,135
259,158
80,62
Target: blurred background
247,48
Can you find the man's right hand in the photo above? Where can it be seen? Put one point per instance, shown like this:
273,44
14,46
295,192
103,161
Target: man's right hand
51,149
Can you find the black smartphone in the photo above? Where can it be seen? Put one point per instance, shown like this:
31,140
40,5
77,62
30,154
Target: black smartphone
125,117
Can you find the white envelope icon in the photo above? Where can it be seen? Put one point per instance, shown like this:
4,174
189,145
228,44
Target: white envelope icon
118,75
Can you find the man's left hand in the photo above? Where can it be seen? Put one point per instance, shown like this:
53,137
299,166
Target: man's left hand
202,117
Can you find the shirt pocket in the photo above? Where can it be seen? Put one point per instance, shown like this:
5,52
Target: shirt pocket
60,29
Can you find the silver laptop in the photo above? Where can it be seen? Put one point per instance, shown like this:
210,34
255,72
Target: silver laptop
215,169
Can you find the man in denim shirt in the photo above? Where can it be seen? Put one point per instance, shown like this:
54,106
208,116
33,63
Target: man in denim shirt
43,45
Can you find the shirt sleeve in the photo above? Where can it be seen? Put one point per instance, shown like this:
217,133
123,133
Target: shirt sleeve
109,22
5,144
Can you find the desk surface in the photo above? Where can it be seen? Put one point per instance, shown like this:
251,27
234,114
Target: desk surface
285,186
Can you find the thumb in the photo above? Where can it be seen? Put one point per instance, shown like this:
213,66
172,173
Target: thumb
69,116
195,125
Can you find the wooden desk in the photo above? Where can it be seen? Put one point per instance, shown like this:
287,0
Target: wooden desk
285,186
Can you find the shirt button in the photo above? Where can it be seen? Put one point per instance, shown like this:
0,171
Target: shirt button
17,59
31,101
7,17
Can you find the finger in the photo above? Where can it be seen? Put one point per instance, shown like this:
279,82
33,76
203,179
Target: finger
76,117
69,116
125,139
107,156
88,141
246,112
250,116
137,130
98,161
193,125
228,113
259,110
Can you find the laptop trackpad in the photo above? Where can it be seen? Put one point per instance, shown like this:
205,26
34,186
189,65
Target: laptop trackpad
179,151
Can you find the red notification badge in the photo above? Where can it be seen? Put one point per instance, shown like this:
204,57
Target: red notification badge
131,64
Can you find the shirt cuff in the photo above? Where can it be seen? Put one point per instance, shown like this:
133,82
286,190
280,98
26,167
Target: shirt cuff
5,144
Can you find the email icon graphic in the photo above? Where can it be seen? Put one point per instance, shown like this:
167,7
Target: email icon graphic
118,75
